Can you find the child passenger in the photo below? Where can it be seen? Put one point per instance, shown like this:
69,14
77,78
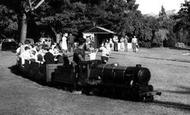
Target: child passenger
105,53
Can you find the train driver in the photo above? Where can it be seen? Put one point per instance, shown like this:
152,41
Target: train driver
78,56
79,52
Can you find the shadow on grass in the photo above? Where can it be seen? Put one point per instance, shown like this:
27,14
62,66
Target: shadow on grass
15,70
174,105
179,48
185,90
180,106
175,60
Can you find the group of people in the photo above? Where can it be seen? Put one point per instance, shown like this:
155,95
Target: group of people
49,52
40,53
116,44
66,41
113,44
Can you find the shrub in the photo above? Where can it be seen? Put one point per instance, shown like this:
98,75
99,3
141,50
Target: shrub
145,44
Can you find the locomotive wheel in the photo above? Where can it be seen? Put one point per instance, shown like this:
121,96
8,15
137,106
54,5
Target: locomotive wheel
135,95
149,98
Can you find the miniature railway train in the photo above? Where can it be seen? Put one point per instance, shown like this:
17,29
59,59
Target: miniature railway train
93,76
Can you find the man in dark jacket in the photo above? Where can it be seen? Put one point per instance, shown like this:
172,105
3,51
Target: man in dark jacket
78,56
49,58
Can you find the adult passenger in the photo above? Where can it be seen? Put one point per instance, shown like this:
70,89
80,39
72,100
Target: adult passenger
105,54
25,55
49,58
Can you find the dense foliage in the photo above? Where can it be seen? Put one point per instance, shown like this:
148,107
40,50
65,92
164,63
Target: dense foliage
121,16
8,22
182,27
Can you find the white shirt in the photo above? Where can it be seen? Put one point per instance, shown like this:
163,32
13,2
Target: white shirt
21,49
25,56
64,43
92,56
105,52
134,40
107,44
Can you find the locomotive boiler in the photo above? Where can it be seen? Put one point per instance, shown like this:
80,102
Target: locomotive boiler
93,77
130,82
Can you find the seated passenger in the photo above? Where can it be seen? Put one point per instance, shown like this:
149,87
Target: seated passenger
59,59
40,58
39,55
48,57
25,55
92,54
55,50
66,60
33,55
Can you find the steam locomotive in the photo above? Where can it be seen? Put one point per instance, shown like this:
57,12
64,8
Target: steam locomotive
94,77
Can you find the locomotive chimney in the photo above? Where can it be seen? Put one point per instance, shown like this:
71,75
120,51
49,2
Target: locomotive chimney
138,65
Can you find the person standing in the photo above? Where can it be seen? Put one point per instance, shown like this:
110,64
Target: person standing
107,44
115,40
79,52
92,54
111,44
71,39
122,44
134,44
78,56
126,42
63,43
58,37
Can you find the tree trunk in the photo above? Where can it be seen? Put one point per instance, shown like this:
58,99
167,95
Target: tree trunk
23,32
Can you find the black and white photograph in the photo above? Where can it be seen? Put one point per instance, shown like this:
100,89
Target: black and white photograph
94,57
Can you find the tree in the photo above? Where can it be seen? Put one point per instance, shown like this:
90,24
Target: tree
165,30
182,26
118,15
23,8
183,16
162,13
75,16
8,22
